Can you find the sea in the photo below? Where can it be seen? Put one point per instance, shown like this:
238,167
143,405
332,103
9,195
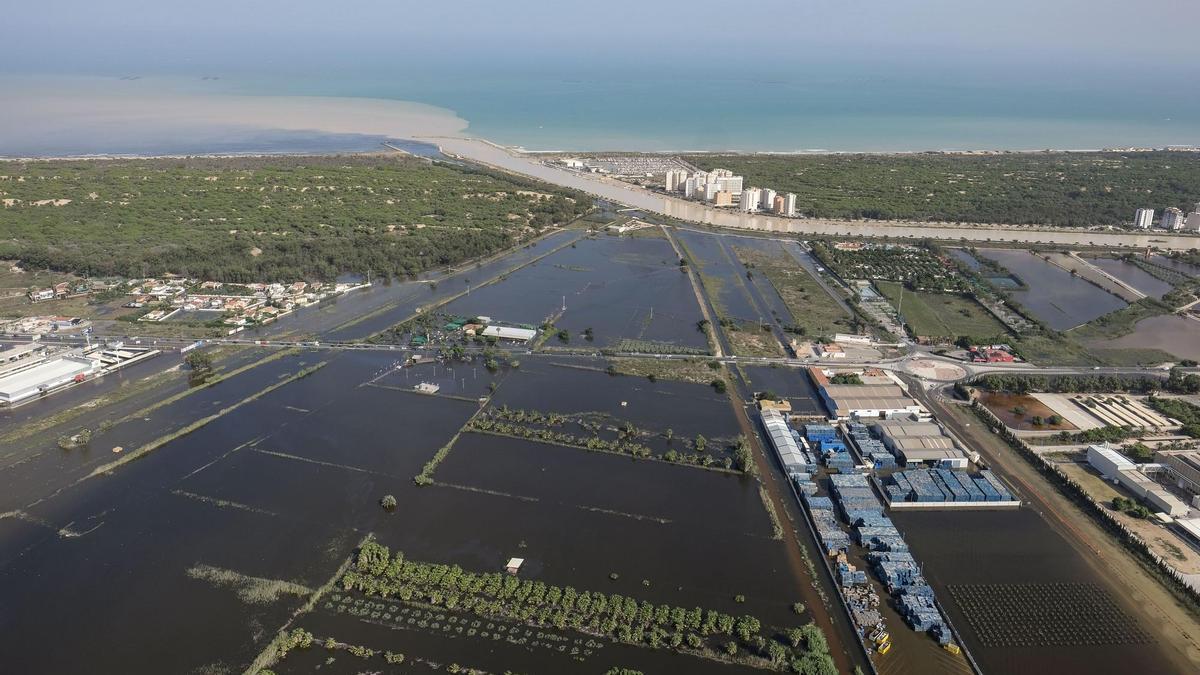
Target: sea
653,110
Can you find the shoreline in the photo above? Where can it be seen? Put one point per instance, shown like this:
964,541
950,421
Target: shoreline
432,141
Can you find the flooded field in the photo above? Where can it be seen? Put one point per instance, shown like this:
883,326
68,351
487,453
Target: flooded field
622,288
1053,295
1134,276
1173,334
791,384
1177,265
993,570
235,524
724,277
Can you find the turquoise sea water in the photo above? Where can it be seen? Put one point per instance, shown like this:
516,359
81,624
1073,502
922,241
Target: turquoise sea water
787,112
656,111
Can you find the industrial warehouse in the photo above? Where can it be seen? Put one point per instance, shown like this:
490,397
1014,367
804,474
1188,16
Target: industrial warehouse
32,370
862,401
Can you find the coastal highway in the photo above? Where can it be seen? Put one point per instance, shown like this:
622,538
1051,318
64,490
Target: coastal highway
504,159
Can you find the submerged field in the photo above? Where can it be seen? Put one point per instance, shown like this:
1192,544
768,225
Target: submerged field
236,524
1051,294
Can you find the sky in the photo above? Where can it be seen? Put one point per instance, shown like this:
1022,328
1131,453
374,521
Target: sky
1091,38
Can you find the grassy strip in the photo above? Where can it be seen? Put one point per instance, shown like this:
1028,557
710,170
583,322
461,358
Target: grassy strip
270,654
211,381
251,590
426,475
776,527
163,440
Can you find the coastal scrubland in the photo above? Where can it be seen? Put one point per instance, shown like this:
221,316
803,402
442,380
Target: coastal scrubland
1043,188
278,218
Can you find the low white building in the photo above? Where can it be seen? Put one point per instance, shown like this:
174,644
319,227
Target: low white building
1117,467
507,333
37,379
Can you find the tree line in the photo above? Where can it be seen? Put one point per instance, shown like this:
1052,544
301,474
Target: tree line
378,572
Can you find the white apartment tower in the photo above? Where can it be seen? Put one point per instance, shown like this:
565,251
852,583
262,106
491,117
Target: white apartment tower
767,203
1193,219
673,180
689,188
1172,219
1143,219
750,199
789,205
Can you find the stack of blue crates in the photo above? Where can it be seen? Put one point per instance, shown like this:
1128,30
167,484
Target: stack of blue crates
882,460
815,433
944,485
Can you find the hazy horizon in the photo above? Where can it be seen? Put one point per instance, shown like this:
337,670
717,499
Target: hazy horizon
765,75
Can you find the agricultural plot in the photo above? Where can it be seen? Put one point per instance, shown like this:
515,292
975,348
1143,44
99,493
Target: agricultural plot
812,311
942,315
620,288
988,575
918,267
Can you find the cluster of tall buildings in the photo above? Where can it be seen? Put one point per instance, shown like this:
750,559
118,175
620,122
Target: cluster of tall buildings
720,187
1172,219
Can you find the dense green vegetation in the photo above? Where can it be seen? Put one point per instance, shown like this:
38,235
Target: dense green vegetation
922,268
1188,414
1131,507
377,572
1069,189
1178,382
268,218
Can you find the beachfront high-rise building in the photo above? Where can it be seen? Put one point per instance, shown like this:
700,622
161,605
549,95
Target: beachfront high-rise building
1172,219
789,205
750,199
1143,219
767,202
1192,222
723,198
689,188
777,207
730,184
674,180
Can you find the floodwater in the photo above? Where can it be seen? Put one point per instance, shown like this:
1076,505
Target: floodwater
717,263
1171,333
791,384
1052,295
1134,276
283,487
1177,265
623,288
1005,555
1003,405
